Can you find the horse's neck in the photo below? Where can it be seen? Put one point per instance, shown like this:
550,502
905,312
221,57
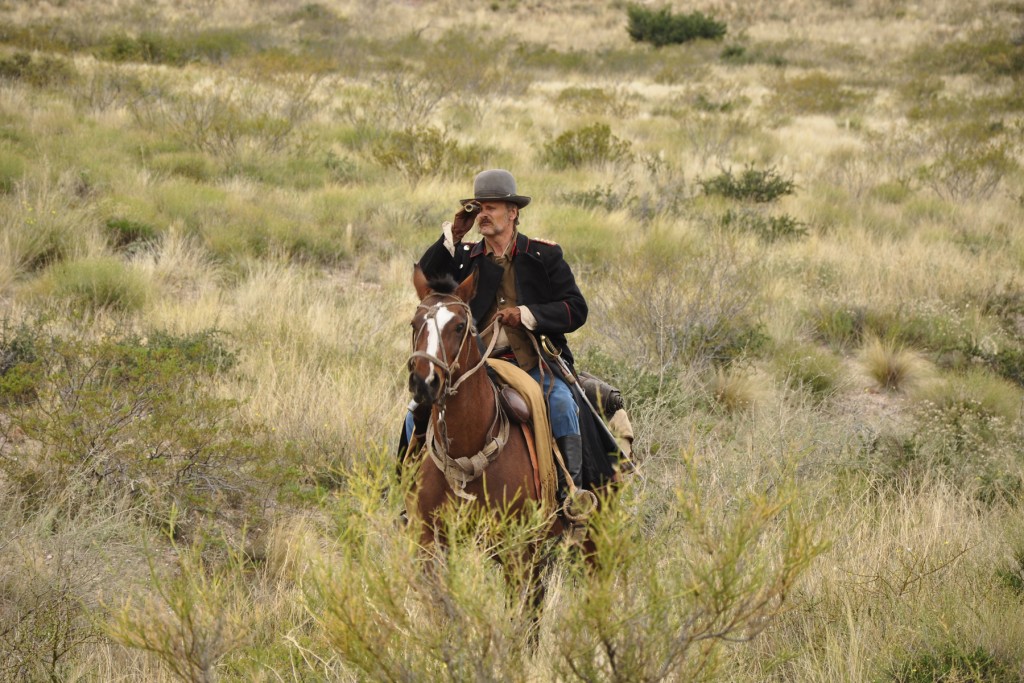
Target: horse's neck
469,414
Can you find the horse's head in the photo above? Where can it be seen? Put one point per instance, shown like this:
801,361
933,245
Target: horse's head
442,336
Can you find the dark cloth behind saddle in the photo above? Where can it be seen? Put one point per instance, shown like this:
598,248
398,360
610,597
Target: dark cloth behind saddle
601,395
600,450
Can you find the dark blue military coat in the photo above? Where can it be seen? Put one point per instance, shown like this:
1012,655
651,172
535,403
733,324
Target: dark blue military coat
544,283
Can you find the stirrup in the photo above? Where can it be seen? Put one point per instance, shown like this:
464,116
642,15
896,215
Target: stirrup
579,505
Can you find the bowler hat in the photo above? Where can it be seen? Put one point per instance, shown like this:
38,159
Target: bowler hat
496,185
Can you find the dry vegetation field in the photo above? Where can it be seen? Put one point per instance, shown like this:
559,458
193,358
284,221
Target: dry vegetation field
800,246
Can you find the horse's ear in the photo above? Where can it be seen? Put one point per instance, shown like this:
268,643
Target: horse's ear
419,281
467,290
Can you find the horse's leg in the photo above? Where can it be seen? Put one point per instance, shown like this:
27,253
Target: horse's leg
537,592
427,500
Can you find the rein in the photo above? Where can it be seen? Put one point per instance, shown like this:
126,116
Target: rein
458,472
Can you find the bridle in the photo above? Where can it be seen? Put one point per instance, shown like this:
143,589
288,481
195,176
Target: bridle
457,471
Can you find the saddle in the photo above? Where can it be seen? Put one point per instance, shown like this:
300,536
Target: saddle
514,404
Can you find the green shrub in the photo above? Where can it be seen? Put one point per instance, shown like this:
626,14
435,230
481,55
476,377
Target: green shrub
695,598
963,434
220,121
667,193
815,93
841,327
951,662
957,447
981,53
192,165
212,45
705,314
740,55
585,146
426,151
768,229
662,27
101,283
190,620
810,369
753,185
1012,573
595,102
43,36
134,415
124,233
971,161
12,170
606,198
891,192
19,368
37,71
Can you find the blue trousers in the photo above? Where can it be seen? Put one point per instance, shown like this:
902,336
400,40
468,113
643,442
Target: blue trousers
565,417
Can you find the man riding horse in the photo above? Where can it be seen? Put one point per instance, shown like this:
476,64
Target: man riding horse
527,285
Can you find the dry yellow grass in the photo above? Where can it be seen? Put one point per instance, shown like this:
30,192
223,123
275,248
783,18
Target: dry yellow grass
309,282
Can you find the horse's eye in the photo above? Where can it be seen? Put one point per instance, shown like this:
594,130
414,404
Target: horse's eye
460,328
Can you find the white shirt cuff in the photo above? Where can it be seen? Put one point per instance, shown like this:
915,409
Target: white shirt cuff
449,240
529,322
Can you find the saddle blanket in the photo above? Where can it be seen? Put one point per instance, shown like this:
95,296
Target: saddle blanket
531,392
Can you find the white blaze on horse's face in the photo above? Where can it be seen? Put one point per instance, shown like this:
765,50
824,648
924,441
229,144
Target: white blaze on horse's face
442,316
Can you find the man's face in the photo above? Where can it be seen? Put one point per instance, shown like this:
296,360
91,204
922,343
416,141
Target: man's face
496,218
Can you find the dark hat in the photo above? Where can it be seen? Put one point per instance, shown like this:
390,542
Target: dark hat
496,185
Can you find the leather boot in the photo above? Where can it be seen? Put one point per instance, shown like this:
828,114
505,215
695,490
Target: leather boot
571,447
420,421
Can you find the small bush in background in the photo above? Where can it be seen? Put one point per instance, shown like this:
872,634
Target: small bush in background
739,55
124,233
98,283
839,326
12,169
767,228
815,93
705,315
37,71
970,161
752,185
953,661
661,27
606,197
963,435
212,45
583,146
19,369
596,102
811,369
425,151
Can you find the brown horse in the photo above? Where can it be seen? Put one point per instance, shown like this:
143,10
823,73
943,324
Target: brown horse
472,452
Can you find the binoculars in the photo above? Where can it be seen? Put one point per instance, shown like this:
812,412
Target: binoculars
471,207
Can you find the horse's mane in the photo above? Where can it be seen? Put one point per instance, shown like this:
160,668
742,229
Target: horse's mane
442,284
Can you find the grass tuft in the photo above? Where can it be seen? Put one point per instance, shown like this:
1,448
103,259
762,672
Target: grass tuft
101,283
892,367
